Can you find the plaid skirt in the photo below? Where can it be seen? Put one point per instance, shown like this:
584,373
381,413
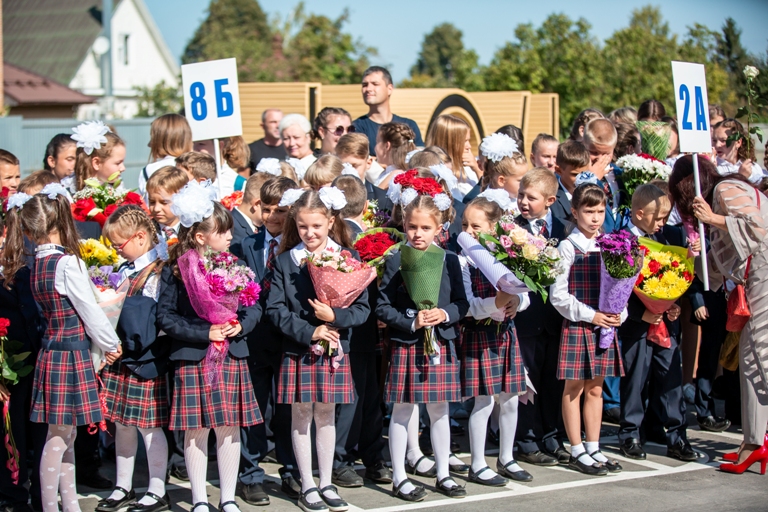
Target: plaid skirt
134,401
491,363
65,391
229,402
310,378
581,359
411,379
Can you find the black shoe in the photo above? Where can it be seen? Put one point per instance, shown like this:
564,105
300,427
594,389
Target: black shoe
537,458
315,506
496,481
160,504
290,486
612,415
457,491
612,465
657,436
108,505
417,494
94,480
714,424
379,473
15,507
411,470
179,472
460,468
334,504
682,450
222,505
519,476
457,430
632,449
588,469
200,504
346,476
561,454
254,494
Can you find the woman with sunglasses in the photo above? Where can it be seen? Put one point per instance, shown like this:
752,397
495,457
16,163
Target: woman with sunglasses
330,124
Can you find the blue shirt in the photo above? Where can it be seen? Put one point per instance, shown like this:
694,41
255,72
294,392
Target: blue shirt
364,125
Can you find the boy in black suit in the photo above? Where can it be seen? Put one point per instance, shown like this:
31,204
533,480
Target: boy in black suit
540,425
247,216
645,360
572,159
360,423
259,252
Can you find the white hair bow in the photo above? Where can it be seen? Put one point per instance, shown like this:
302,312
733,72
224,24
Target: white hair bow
90,135
498,196
193,203
349,170
270,166
17,200
290,196
497,146
585,178
54,189
442,172
333,198
297,166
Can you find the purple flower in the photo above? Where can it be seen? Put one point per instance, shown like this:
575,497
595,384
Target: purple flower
114,279
216,284
107,269
250,294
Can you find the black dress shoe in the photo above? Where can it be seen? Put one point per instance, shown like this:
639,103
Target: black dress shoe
379,473
561,454
160,504
537,458
459,468
632,449
612,465
110,505
457,491
519,476
682,450
334,504
714,424
94,480
315,506
179,472
222,505
15,507
496,481
417,494
411,470
346,476
254,494
290,486
612,415
594,469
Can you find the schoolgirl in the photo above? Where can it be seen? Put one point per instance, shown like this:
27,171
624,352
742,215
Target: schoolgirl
100,154
169,137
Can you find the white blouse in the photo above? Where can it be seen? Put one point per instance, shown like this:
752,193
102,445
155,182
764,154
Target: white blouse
480,308
152,284
465,185
724,168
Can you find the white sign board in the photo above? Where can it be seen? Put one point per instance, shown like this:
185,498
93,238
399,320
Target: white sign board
211,99
692,107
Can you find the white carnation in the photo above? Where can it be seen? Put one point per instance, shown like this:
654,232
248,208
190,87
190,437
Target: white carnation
408,196
442,201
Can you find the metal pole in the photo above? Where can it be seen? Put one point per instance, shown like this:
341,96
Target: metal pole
106,59
702,235
217,154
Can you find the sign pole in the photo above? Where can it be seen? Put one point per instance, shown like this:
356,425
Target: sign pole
702,234
217,153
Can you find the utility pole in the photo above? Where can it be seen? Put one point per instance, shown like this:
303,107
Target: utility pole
106,59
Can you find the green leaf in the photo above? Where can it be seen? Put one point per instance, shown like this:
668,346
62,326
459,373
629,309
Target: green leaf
529,282
741,112
11,346
25,371
10,375
760,136
20,357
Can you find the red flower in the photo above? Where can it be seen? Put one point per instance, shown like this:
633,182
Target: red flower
687,276
4,324
110,209
132,198
645,250
406,179
427,186
373,246
82,208
649,157
640,279
675,264
654,266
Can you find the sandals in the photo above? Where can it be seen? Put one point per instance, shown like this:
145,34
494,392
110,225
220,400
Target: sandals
457,491
159,505
612,465
316,506
111,505
334,504
413,470
417,494
496,481
588,469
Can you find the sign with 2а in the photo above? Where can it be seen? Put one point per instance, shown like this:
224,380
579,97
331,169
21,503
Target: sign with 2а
692,107
211,99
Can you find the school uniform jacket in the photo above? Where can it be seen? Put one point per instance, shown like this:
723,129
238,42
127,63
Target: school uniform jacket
19,306
365,337
379,195
395,307
561,208
240,230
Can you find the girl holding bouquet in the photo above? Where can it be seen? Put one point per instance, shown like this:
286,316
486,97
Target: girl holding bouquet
575,294
422,299
212,385
65,391
309,380
136,387
491,363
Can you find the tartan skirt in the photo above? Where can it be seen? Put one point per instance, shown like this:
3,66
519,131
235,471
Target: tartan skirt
65,391
491,363
581,359
134,401
229,402
412,380
309,378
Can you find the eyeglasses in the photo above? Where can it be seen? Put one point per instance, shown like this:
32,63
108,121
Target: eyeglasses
119,248
339,131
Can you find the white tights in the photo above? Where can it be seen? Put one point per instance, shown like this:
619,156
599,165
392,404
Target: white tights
57,469
324,415
478,426
126,444
196,458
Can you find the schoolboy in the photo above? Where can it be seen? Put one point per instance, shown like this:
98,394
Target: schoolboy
353,150
198,166
161,187
357,202
572,159
544,151
600,140
247,215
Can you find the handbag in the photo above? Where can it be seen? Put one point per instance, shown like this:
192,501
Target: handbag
729,352
738,308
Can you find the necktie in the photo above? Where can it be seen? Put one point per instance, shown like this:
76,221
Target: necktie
169,233
608,193
271,256
542,225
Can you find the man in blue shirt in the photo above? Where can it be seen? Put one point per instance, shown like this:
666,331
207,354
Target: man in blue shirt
377,89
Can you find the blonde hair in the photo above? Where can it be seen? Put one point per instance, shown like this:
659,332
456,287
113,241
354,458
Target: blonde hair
646,194
169,135
450,132
428,157
353,144
543,178
323,171
84,163
169,178
200,165
127,220
491,209
36,181
507,166
288,171
600,131
425,203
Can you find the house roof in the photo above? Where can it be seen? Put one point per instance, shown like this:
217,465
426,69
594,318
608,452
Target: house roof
22,87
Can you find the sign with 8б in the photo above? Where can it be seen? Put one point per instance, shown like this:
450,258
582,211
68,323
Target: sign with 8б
211,99
692,107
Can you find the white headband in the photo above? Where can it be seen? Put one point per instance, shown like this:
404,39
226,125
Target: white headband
586,177
90,135
333,198
497,146
290,196
194,202
17,200
270,166
498,196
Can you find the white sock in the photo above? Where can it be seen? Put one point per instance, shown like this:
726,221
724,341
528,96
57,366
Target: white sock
441,438
301,426
228,451
157,460
414,450
578,450
593,446
508,430
126,443
494,422
54,469
325,443
399,435
196,459
478,426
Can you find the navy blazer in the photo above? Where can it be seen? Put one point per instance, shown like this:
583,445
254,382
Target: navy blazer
88,229
561,208
240,229
353,228
379,195
144,353
289,310
472,193
18,305
189,332
455,228
394,301
251,251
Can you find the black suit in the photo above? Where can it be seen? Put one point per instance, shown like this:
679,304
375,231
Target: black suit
540,424
240,230
379,195
88,229
354,228
561,208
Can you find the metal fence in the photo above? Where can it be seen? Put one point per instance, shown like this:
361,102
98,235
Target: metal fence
27,139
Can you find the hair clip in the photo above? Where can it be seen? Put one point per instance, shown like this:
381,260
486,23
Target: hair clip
333,198
90,135
54,189
193,203
270,166
290,196
497,146
498,196
586,178
17,200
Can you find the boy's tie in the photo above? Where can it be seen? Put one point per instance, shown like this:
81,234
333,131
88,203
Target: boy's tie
542,225
271,256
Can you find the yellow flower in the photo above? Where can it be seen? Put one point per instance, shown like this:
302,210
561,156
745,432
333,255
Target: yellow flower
519,236
530,252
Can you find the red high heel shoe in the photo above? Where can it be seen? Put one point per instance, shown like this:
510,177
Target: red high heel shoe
760,455
734,456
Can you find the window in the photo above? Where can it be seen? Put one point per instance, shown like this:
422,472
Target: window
124,48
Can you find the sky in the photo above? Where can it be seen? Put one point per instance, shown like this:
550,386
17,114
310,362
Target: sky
397,27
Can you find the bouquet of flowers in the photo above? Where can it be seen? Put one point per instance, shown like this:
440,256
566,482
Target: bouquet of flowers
339,279
376,244
667,273
375,217
97,201
233,200
639,170
621,261
97,253
12,367
217,285
654,138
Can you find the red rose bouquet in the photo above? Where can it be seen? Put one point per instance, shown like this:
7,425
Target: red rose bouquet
376,244
97,201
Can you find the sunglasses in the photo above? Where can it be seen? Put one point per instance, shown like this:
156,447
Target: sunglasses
119,248
339,131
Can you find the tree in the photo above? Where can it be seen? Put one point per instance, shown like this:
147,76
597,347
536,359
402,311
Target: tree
444,62
158,100
700,45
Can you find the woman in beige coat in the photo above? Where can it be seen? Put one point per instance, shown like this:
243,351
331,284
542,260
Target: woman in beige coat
736,215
